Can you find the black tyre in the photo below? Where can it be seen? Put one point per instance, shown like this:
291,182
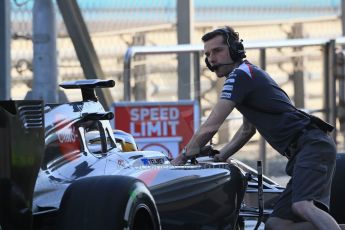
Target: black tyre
108,202
337,206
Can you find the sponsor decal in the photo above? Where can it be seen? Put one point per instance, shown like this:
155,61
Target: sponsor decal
152,161
67,135
121,163
69,142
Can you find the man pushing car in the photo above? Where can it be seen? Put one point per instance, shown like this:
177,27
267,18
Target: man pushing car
265,107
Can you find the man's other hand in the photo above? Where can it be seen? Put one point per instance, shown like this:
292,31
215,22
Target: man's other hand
219,158
179,160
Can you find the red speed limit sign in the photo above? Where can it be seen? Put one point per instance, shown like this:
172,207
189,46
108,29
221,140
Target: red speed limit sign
162,126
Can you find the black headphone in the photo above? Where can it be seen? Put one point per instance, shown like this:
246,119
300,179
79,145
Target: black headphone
236,49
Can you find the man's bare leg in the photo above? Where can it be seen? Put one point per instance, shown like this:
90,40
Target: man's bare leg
275,223
281,224
317,217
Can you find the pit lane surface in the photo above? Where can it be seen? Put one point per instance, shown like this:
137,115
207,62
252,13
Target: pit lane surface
250,225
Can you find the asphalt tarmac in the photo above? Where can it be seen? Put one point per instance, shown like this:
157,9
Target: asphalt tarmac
250,225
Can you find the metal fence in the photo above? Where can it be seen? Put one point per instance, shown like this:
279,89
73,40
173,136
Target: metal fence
114,26
327,94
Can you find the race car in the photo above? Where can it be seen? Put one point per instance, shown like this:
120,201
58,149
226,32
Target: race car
64,167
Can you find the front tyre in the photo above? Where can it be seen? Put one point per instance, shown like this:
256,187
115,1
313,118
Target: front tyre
108,202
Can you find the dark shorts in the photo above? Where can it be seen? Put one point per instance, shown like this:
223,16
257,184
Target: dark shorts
311,169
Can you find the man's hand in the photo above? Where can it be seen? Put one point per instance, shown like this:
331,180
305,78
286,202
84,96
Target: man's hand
179,160
219,158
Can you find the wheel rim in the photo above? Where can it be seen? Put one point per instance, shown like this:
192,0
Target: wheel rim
143,219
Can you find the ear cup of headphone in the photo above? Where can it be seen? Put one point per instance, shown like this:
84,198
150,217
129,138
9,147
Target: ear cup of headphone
233,51
240,52
236,49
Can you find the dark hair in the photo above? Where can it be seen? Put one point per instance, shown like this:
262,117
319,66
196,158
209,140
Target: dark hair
234,36
231,39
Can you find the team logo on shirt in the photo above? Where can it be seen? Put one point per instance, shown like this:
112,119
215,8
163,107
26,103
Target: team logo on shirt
228,87
229,81
226,95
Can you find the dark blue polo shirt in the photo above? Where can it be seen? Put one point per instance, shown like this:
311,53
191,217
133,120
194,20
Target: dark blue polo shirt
264,104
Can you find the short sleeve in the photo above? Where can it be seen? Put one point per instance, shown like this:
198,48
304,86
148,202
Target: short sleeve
236,86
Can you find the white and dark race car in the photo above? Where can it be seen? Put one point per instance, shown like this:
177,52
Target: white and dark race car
63,167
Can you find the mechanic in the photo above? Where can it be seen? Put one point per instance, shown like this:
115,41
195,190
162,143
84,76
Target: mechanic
265,107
